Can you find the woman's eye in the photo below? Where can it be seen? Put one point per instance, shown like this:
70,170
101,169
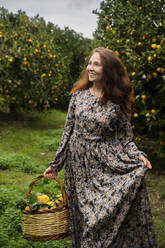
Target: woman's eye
97,64
94,64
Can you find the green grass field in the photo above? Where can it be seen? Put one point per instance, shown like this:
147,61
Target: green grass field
26,148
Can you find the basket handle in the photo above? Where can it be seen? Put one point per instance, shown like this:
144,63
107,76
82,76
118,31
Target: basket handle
56,178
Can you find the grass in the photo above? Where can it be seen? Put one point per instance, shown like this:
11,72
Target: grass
37,136
28,144
156,190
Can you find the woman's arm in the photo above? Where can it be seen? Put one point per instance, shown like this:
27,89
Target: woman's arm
126,137
61,154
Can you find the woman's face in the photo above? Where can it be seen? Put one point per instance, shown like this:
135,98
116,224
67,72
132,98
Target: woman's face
95,68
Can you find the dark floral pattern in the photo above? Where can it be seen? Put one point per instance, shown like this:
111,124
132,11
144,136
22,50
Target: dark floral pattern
104,178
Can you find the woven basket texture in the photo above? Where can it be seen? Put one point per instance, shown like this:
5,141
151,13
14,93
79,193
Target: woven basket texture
45,224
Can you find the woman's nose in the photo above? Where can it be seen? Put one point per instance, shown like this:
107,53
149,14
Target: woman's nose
90,67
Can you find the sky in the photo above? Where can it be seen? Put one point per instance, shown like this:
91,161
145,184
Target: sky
75,14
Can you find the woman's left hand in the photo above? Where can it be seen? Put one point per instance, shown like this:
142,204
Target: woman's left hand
145,161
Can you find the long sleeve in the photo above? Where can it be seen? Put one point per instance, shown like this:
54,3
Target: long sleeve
126,137
61,154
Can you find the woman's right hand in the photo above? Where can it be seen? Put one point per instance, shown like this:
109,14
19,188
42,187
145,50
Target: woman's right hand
49,173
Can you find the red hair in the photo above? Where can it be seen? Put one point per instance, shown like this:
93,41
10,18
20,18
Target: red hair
116,85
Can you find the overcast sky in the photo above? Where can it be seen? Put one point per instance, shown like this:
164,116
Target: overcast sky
76,14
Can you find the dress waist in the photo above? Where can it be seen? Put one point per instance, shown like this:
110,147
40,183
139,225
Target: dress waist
87,135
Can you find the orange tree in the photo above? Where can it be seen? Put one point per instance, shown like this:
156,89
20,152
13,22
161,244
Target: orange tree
39,62
135,29
75,47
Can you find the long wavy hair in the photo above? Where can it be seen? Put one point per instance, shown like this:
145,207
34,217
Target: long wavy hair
116,85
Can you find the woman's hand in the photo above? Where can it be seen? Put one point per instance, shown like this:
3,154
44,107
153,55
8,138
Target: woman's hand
49,173
145,161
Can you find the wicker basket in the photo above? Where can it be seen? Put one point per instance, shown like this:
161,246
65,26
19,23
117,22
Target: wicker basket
47,224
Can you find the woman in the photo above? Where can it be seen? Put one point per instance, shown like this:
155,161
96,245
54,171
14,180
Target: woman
104,170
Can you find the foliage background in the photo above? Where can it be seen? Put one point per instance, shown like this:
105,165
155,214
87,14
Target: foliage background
39,62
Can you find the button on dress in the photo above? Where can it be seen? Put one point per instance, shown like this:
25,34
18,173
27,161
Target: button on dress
104,178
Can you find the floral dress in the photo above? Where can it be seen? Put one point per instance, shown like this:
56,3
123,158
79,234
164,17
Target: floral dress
104,178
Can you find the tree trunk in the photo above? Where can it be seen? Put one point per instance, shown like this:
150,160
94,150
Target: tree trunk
12,108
